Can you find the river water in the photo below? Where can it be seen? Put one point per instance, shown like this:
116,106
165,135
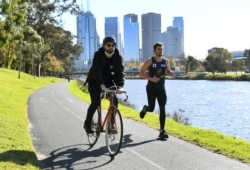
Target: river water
223,106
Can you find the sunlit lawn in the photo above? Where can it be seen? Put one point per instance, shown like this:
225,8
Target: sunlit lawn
16,149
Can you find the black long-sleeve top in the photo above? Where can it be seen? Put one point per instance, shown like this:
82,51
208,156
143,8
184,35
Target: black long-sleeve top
104,69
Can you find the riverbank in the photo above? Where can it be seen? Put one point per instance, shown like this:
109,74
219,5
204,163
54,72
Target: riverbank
207,76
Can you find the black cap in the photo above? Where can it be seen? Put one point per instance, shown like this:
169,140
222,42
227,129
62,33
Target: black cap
108,40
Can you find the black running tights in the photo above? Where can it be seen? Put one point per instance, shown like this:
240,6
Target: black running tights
161,96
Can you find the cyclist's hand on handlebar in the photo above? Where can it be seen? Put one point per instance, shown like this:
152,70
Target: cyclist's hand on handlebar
105,89
120,90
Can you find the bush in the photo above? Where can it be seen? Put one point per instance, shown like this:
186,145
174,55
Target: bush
244,77
179,118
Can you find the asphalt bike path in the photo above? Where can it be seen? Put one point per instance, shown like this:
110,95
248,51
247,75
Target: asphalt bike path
56,127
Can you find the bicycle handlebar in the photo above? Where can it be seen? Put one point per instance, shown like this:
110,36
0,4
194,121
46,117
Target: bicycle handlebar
112,92
125,95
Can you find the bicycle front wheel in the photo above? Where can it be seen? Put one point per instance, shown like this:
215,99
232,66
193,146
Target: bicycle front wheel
114,132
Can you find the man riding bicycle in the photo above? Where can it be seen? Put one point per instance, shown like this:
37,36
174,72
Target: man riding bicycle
107,68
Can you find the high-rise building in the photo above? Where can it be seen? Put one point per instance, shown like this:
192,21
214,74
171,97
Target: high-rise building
171,39
178,22
131,37
86,36
151,31
112,30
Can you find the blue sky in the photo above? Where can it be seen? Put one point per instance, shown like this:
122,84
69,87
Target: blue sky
207,24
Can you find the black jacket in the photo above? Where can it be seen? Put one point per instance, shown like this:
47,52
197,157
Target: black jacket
104,70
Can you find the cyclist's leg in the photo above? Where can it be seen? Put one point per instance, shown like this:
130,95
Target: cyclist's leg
94,91
95,127
115,100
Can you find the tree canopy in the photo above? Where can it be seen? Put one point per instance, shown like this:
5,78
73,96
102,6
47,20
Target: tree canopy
218,60
32,36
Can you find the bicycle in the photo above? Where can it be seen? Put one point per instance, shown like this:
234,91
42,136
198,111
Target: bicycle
112,122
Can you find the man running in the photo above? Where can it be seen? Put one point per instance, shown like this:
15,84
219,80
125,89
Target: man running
154,70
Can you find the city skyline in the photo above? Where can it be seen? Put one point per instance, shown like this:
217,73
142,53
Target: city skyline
207,24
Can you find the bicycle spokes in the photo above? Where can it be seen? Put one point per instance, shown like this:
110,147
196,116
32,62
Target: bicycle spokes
114,132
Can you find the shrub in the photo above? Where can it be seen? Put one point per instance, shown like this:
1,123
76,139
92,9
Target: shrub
176,116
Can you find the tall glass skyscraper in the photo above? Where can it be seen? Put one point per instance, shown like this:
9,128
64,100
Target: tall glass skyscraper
86,36
171,39
151,32
131,37
112,30
179,23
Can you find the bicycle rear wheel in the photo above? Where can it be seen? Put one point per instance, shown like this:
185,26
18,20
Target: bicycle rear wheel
114,132
93,137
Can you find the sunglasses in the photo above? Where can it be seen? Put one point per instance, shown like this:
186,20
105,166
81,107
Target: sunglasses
110,45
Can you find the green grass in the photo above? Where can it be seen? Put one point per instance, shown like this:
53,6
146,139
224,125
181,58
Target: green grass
212,140
16,149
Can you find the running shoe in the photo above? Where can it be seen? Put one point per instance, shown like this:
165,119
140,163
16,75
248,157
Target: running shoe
143,111
88,128
163,134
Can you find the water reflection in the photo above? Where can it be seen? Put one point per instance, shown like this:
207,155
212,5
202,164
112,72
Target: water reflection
218,105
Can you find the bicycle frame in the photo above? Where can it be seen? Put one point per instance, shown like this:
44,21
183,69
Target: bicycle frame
111,105
112,124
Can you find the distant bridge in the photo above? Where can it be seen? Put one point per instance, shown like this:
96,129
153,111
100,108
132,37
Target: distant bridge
79,74
127,73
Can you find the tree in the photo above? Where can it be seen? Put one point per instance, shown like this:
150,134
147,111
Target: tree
32,36
42,12
218,60
14,18
53,66
238,65
44,17
35,44
209,63
247,55
191,64
58,43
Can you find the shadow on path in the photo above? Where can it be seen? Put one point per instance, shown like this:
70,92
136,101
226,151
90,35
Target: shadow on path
128,142
74,155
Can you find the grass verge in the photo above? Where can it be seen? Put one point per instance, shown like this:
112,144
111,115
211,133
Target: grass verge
16,149
217,76
212,140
